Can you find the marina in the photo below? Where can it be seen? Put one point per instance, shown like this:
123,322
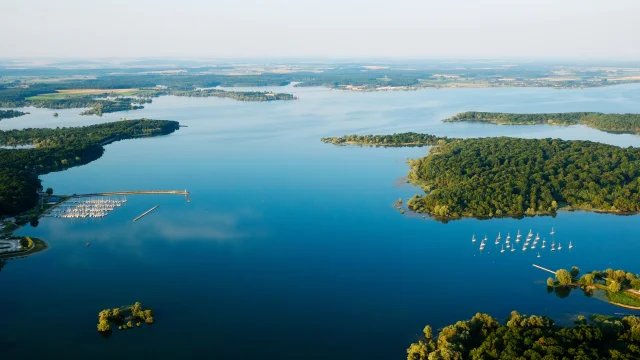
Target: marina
94,207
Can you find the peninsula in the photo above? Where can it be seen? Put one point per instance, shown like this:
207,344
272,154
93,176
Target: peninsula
8,114
622,288
623,123
396,140
530,337
498,177
56,150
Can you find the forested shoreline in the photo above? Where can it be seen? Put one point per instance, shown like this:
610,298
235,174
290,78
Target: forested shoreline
57,150
497,177
531,337
502,176
629,123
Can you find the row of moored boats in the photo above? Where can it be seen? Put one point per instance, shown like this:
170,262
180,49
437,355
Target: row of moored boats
90,208
530,242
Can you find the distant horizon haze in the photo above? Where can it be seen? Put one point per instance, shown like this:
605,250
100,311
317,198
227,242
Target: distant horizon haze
329,29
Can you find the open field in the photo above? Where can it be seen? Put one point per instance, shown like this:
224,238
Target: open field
95,91
65,94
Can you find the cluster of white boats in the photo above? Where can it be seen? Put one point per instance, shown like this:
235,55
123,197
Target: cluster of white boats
89,208
529,242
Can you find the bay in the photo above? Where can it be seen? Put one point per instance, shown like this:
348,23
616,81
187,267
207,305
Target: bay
290,247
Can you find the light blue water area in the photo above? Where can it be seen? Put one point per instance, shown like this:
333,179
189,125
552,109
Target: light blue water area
290,247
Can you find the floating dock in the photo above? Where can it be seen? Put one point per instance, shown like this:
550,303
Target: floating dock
145,213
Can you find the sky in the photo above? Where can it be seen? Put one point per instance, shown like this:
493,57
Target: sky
567,29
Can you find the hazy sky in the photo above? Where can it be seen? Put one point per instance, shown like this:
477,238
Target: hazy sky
608,29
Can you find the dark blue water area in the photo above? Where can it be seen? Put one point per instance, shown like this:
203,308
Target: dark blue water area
290,247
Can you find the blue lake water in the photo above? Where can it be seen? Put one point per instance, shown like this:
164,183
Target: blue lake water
290,247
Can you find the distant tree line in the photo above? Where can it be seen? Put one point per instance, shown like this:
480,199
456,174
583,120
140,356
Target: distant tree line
606,122
530,337
56,150
236,95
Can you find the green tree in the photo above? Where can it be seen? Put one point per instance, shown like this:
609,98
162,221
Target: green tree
614,287
428,332
635,284
575,272
103,325
587,279
563,277
49,191
550,282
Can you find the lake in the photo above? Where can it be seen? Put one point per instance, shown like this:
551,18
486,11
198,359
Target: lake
290,248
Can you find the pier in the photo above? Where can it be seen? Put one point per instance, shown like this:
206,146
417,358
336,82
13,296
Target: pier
545,269
138,192
145,213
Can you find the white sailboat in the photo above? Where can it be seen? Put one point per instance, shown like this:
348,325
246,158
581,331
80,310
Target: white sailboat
559,246
552,231
485,238
473,238
534,245
530,233
499,237
508,237
553,246
502,248
538,254
519,235
543,245
537,236
570,245
524,248
513,249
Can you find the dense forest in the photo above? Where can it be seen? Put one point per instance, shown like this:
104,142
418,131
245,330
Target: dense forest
56,150
515,177
531,337
8,114
606,122
403,139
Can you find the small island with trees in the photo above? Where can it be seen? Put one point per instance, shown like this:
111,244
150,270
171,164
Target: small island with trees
124,317
619,123
621,288
530,337
8,114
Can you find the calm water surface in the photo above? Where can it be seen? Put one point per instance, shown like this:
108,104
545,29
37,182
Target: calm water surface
290,248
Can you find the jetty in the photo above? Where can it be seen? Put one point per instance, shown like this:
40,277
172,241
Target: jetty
138,192
145,213
545,269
